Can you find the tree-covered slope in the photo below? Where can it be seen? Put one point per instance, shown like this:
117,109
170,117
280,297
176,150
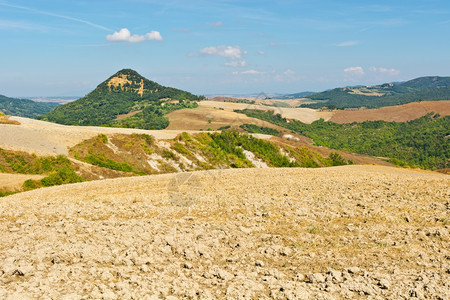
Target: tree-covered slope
388,94
24,107
125,99
422,142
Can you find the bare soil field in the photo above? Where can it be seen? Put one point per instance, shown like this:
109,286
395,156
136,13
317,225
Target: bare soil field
209,117
353,232
305,115
14,182
45,138
400,113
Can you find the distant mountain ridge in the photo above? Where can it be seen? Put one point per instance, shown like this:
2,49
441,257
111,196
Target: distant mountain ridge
388,94
126,99
24,107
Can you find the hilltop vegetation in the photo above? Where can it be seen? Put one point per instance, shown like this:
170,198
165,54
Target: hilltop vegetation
24,108
422,142
58,169
419,89
126,99
140,154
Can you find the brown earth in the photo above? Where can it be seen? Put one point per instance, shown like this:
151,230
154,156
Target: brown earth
305,115
130,114
353,232
14,182
400,113
202,118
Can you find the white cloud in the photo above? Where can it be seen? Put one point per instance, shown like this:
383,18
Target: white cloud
124,35
231,52
154,36
354,71
252,72
389,71
261,52
382,70
234,54
348,44
249,72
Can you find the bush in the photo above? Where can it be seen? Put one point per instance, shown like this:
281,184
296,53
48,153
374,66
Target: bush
62,176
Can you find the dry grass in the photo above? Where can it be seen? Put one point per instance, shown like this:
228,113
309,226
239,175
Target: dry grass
202,118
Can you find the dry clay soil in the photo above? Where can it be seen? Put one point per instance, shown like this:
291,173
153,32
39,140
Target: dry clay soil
351,232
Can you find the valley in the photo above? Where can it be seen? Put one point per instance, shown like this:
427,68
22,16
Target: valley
228,199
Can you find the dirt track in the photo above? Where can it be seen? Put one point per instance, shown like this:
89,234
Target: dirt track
343,232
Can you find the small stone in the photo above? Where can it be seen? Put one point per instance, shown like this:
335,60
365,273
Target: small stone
245,229
384,284
224,275
354,270
259,263
188,265
285,251
315,278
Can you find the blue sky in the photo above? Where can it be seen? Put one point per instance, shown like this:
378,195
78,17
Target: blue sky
64,48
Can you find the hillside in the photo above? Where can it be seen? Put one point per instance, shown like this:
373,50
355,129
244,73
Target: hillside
397,113
24,107
421,142
388,94
296,95
126,99
74,153
351,232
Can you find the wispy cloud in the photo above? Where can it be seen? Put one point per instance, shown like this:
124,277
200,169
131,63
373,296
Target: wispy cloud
124,35
347,44
47,13
260,52
249,72
388,71
359,71
7,24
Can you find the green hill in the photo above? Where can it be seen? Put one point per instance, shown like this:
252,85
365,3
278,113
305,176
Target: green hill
388,94
126,99
24,107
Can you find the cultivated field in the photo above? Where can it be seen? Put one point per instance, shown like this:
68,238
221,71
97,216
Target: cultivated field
305,115
13,182
342,232
208,117
399,113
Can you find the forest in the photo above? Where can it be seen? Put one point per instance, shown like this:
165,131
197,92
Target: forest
421,143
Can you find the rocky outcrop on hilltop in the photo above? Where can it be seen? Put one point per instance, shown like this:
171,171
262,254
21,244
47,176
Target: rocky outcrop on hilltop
331,233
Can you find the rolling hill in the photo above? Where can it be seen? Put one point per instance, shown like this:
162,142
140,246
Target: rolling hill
24,107
388,94
126,99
